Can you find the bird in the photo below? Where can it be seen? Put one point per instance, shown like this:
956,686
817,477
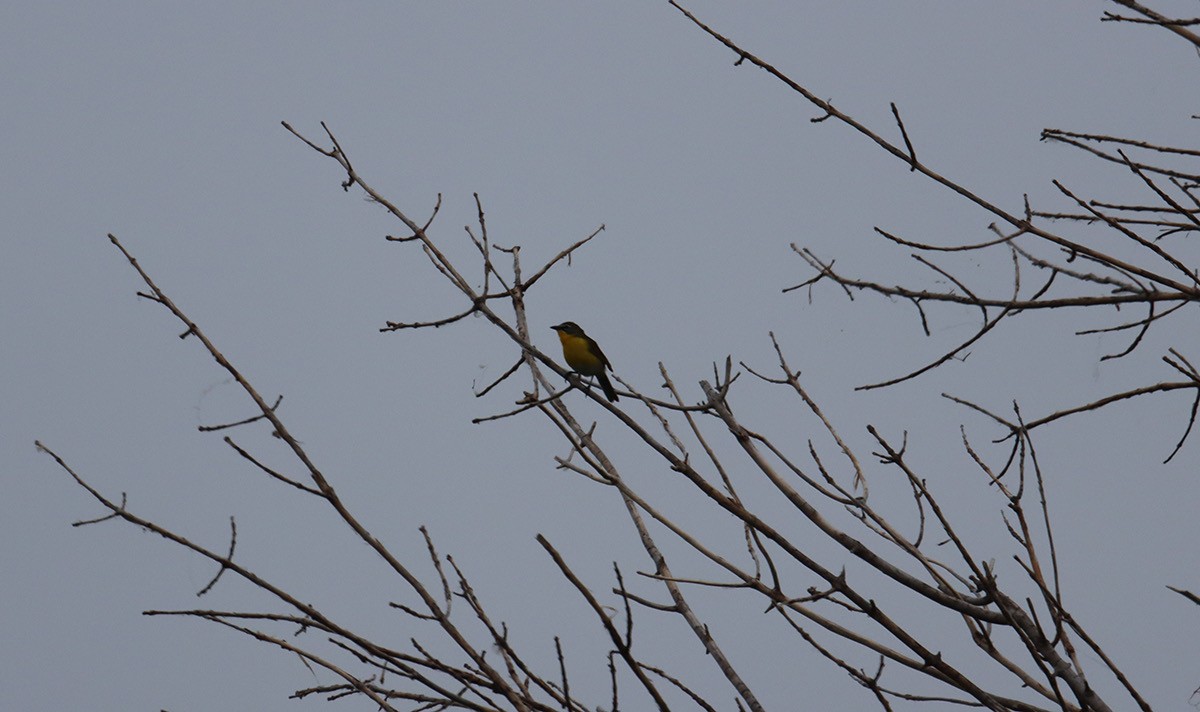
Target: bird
584,355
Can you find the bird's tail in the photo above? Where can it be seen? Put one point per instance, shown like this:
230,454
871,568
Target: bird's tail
607,386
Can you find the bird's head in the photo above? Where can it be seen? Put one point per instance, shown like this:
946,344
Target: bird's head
568,327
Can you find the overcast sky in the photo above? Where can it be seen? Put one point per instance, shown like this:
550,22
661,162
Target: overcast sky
160,122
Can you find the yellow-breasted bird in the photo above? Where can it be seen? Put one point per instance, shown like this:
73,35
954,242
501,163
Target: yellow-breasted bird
584,355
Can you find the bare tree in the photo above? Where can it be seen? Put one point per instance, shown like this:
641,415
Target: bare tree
1023,629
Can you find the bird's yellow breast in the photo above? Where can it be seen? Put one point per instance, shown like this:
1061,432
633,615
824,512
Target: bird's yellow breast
578,353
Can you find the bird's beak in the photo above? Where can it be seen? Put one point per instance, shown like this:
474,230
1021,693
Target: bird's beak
558,327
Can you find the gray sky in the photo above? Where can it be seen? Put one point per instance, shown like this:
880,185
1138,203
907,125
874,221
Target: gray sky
161,123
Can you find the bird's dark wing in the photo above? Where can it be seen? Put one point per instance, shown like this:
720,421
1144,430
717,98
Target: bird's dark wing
595,348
